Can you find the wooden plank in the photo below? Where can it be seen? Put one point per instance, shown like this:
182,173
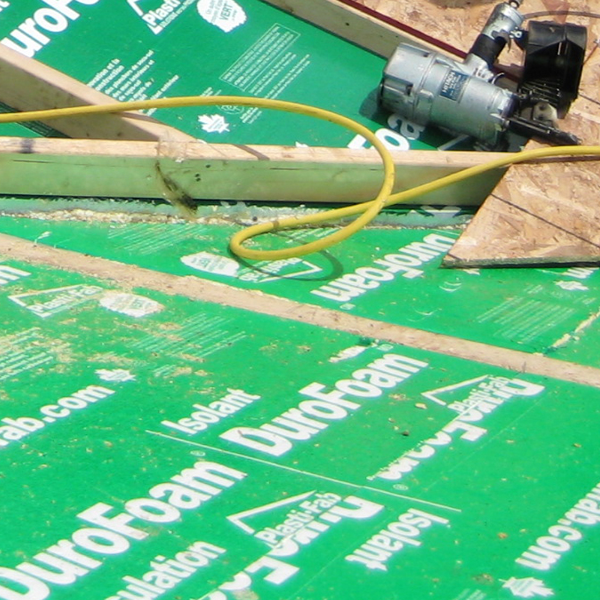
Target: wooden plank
31,85
347,19
105,168
227,172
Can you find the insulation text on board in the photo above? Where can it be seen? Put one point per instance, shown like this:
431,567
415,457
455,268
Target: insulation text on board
549,549
487,396
165,574
31,35
108,531
204,416
405,262
405,531
305,421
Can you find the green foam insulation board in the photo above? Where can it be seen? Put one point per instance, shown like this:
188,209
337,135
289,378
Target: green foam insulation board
385,274
139,49
140,461
153,445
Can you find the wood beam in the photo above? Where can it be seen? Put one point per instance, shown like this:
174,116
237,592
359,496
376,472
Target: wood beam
351,22
30,85
106,168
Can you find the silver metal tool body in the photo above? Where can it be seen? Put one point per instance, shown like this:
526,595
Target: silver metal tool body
426,87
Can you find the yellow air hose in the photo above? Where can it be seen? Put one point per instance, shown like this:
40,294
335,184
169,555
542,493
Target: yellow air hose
367,210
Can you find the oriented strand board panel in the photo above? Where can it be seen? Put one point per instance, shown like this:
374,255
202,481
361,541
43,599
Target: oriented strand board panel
544,213
457,23
537,215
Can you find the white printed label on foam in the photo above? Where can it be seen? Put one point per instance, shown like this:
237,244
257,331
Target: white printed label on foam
211,263
131,305
224,14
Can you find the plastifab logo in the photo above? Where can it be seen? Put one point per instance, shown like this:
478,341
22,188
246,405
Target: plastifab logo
50,19
158,14
47,303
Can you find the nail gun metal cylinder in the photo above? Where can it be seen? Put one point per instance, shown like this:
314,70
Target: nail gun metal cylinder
502,24
428,88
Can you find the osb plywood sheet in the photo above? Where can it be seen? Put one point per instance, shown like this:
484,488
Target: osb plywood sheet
457,22
451,21
539,214
542,213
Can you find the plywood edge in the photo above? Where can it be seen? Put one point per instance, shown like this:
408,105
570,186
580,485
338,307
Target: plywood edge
30,85
502,262
530,227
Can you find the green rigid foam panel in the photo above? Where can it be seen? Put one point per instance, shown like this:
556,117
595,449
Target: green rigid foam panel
139,49
157,447
384,274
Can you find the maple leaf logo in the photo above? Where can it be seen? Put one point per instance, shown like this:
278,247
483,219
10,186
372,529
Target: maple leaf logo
528,587
213,123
